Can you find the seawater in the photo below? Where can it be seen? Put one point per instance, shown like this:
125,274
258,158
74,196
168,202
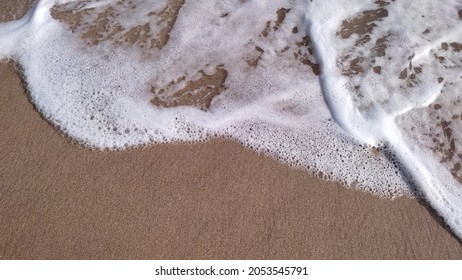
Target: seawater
367,93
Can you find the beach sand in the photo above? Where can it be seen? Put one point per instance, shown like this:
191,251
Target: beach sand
213,200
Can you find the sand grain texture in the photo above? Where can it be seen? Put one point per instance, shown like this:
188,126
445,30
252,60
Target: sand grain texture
214,200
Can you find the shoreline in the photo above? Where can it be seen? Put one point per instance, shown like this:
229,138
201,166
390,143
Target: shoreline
213,200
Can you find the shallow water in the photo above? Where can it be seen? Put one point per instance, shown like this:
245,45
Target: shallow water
366,93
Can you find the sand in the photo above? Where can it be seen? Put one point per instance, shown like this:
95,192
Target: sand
213,200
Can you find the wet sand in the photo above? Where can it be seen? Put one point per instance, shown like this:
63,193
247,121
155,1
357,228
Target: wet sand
213,200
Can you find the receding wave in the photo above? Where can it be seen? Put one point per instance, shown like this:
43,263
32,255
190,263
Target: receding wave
367,94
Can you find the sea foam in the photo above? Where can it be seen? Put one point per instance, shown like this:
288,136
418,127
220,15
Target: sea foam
365,93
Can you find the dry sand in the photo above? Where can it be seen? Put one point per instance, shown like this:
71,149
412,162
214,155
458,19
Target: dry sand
215,200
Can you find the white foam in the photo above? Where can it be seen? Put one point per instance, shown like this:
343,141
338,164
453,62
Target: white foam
99,91
369,112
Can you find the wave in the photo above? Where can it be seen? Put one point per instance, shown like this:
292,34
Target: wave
365,93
